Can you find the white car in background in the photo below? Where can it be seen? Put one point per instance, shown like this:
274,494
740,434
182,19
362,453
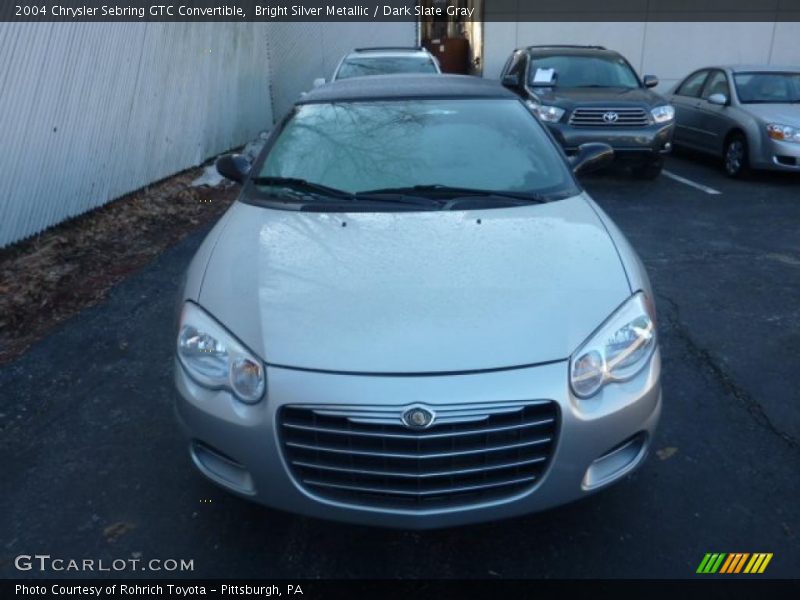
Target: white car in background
388,60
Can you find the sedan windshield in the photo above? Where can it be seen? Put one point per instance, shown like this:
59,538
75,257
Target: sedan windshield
586,71
385,65
430,148
767,88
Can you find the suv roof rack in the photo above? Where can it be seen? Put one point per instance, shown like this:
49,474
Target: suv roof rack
384,48
579,46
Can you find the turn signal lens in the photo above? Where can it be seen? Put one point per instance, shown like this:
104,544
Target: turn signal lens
783,133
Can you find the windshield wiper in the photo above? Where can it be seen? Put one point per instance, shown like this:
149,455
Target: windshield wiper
334,194
434,196
446,191
301,185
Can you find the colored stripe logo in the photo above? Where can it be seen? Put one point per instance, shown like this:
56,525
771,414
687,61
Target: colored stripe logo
733,563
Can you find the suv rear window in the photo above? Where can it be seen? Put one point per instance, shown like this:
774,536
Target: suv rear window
384,65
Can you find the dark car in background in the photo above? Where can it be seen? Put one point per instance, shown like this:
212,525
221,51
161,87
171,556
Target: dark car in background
591,94
747,114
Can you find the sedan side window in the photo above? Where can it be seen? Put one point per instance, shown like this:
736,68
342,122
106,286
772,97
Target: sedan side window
692,85
717,84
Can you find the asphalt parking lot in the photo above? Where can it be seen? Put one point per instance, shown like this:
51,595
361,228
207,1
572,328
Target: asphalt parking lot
93,466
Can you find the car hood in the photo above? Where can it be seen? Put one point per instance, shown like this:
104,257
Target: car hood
785,114
600,97
414,292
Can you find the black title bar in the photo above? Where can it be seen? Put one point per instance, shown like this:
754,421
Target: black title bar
397,10
406,589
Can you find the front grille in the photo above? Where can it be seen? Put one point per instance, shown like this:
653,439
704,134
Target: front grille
471,453
594,117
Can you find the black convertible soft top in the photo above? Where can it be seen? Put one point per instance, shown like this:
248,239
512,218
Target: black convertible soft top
399,87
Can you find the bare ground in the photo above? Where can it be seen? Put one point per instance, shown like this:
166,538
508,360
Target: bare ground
55,274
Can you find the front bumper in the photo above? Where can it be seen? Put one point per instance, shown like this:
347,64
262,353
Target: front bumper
238,446
636,144
777,156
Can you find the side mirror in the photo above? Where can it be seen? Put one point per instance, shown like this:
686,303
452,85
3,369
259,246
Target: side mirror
591,157
650,81
234,167
719,99
512,82
318,82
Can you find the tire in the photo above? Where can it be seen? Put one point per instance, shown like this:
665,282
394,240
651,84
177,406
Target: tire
649,170
734,156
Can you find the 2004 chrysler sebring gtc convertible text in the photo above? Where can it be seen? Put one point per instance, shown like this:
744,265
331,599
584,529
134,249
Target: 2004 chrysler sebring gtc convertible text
414,316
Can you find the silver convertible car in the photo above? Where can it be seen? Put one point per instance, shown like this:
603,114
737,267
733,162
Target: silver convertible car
414,316
748,115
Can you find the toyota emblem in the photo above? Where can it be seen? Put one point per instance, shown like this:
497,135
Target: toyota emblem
610,117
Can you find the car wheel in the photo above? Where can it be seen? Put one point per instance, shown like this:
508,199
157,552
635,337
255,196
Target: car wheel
735,156
649,170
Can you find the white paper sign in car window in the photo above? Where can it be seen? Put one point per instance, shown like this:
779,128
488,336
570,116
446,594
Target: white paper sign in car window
544,76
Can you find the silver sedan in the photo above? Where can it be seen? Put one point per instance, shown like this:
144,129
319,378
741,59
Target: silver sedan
748,115
414,316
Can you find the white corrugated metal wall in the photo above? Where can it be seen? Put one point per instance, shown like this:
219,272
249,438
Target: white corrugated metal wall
92,111
301,52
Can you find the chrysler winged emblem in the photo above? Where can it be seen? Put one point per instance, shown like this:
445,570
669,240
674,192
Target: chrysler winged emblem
418,417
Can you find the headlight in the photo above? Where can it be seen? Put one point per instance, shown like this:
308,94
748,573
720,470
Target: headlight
551,114
662,114
215,359
617,351
784,133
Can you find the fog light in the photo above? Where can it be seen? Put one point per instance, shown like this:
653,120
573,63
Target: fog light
616,462
221,469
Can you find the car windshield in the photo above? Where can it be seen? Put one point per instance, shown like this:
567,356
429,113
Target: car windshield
444,145
384,65
767,87
585,71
